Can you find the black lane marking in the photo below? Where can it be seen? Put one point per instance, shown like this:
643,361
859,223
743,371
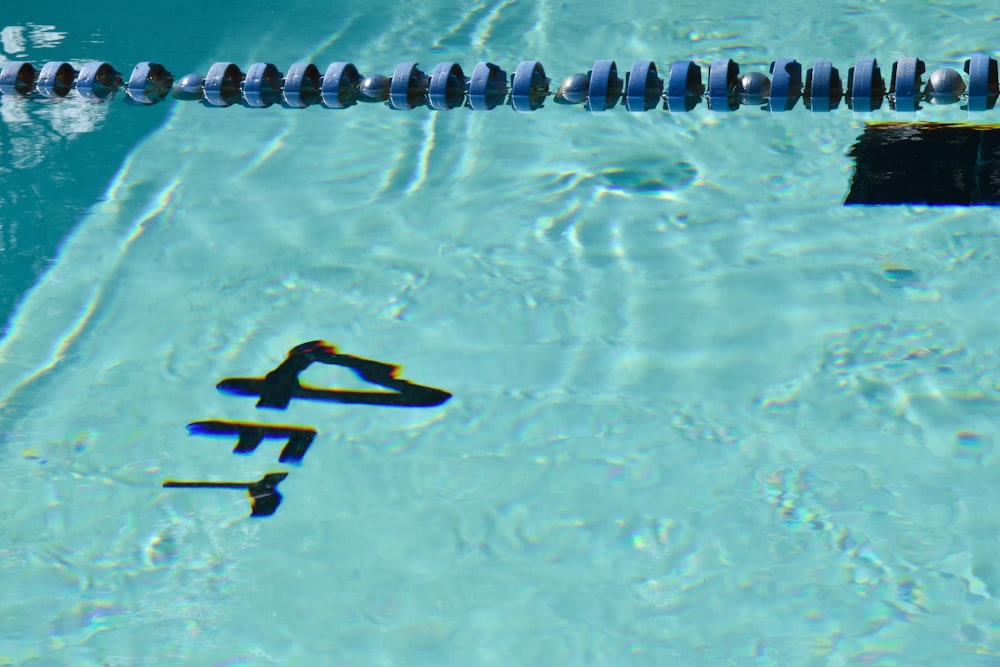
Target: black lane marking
251,435
280,386
264,496
277,389
929,164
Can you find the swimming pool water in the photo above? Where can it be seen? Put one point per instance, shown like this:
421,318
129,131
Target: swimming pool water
702,413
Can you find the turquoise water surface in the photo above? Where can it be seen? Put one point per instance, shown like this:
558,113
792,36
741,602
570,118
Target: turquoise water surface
701,413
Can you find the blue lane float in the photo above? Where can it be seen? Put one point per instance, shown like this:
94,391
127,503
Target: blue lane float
605,86
223,85
904,89
487,87
786,84
17,78
722,77
409,87
262,86
684,87
983,85
302,85
340,86
865,86
55,79
643,87
447,87
529,86
149,83
725,89
823,87
97,81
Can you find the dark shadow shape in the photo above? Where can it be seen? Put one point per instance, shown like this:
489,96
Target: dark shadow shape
251,435
264,496
281,385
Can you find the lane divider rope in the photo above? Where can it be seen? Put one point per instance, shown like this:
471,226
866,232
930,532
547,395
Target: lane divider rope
600,89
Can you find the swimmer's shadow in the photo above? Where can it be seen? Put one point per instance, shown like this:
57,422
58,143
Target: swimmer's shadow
280,386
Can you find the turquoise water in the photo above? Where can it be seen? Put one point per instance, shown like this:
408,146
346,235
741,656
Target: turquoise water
702,413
